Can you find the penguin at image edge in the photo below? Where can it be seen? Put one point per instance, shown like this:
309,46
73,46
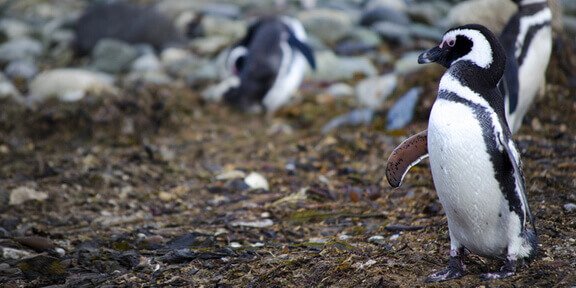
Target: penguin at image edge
475,164
270,62
527,39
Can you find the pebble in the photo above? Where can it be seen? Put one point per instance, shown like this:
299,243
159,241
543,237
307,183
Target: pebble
23,194
113,56
210,45
343,237
13,28
401,113
20,49
570,207
69,84
340,90
373,91
146,62
361,265
377,239
257,181
254,224
6,269
232,174
364,36
408,63
355,117
11,253
392,32
21,69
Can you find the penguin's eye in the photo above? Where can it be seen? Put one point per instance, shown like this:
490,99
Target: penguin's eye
451,42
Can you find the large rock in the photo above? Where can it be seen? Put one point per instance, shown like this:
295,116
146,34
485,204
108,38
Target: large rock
127,22
174,8
494,14
331,67
384,14
69,84
398,5
428,12
216,26
327,24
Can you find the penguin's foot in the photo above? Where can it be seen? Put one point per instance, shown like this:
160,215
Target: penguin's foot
507,270
454,270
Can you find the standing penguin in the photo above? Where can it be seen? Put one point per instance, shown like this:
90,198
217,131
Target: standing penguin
270,62
475,164
527,39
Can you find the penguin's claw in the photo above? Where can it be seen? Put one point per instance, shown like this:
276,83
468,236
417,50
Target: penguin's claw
507,270
454,270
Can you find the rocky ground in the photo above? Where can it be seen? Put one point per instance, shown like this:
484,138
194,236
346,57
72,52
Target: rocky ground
142,179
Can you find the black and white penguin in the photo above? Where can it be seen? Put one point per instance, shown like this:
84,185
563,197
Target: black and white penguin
527,39
475,164
270,61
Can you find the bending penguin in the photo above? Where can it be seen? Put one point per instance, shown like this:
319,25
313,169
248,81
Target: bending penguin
527,39
474,162
270,61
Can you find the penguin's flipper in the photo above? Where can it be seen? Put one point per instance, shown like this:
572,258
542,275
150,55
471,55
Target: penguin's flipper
513,156
409,153
510,83
304,48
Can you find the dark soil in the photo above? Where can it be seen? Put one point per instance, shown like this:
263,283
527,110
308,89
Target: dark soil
134,199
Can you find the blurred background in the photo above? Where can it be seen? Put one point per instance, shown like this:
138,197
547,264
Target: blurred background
120,165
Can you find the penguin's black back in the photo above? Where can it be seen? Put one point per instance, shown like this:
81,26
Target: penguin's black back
261,64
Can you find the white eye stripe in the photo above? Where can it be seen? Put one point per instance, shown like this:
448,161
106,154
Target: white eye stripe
481,53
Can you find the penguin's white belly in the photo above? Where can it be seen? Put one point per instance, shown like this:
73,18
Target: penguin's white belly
463,175
532,73
290,75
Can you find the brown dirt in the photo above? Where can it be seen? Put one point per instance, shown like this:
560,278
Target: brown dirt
107,183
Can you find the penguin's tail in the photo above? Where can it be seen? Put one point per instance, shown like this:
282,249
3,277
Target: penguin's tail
530,243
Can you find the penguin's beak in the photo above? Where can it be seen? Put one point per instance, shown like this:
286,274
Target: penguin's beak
432,55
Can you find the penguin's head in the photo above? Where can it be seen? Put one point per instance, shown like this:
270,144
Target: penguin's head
472,43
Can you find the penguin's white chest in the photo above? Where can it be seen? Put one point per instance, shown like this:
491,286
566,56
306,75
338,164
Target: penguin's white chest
290,75
464,178
532,72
